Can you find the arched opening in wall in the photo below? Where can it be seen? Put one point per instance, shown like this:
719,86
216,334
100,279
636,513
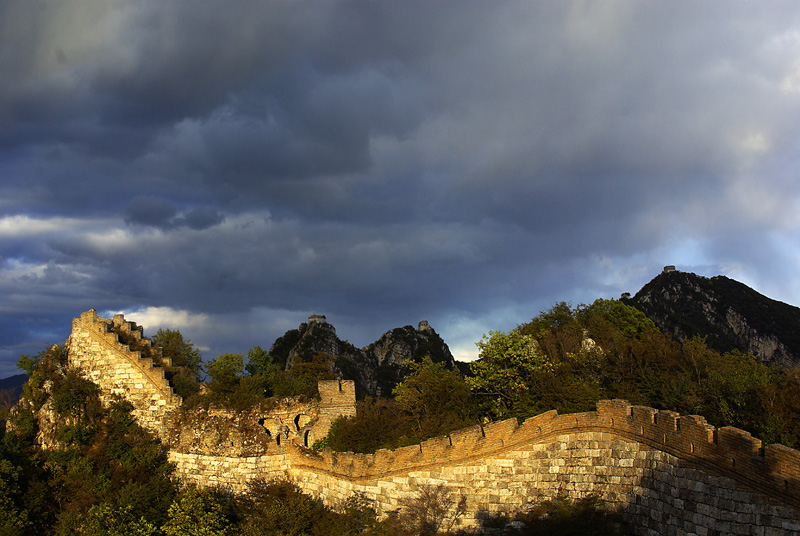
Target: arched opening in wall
300,421
691,448
733,463
278,438
261,423
306,437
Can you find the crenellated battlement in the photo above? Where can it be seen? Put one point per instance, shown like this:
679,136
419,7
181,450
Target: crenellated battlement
773,470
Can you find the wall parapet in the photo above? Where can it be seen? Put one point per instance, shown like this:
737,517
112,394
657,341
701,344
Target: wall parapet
642,462
773,470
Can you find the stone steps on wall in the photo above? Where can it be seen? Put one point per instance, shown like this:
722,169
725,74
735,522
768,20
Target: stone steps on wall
100,328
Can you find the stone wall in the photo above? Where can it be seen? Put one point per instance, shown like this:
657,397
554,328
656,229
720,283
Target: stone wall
94,347
620,452
666,473
265,429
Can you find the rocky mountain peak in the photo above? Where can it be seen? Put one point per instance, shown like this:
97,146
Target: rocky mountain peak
730,314
311,338
377,367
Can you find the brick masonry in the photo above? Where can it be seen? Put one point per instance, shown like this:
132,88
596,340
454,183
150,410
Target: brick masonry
666,473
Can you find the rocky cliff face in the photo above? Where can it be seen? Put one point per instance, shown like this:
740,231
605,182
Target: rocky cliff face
316,336
376,368
730,314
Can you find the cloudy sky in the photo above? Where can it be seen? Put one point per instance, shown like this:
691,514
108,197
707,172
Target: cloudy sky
227,170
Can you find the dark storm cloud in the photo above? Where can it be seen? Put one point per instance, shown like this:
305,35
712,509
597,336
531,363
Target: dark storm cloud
150,210
385,162
162,213
201,218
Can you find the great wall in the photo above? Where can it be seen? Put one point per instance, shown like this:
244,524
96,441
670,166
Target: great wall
666,473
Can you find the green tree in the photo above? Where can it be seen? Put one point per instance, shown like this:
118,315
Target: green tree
260,362
505,365
378,424
628,320
302,378
224,373
278,508
185,370
105,519
198,513
438,400
13,515
228,384
181,351
556,330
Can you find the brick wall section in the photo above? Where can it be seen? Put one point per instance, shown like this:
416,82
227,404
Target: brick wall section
95,349
667,474
229,471
337,397
773,470
657,492
654,492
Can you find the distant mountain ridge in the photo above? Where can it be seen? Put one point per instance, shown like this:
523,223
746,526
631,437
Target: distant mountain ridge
14,382
376,368
729,313
11,389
